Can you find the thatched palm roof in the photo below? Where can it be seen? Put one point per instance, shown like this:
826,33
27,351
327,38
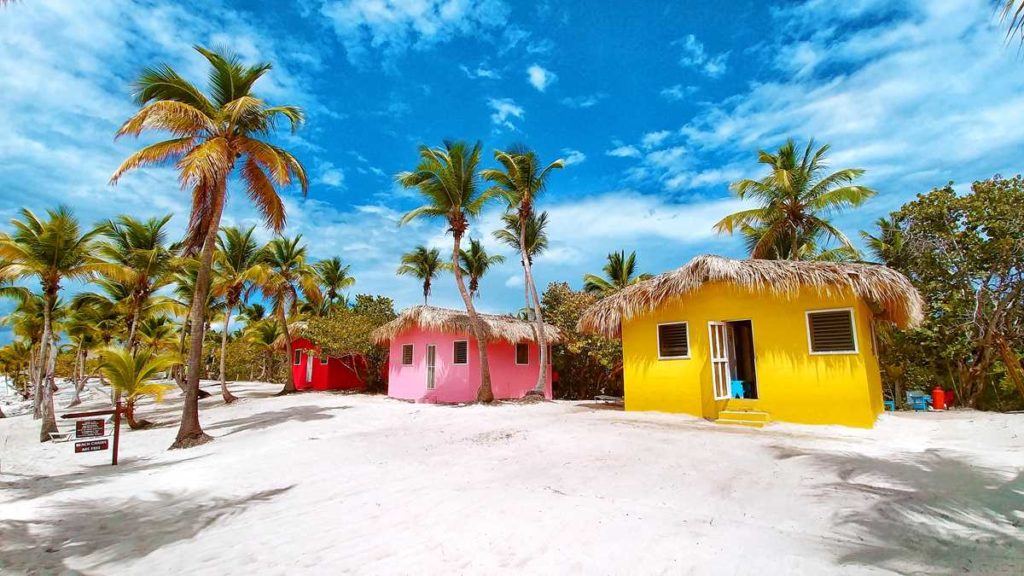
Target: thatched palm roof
497,327
890,294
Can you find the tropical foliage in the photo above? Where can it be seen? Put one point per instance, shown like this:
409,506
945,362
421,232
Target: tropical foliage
790,221
424,264
619,272
586,365
133,375
475,262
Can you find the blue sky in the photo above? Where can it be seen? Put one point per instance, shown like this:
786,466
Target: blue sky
655,110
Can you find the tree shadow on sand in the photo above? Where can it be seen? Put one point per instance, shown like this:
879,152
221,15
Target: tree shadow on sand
38,486
265,420
111,530
931,513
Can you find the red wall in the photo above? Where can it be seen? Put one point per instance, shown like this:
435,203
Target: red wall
337,374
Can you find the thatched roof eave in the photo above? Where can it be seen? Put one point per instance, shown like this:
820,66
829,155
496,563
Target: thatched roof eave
890,294
497,327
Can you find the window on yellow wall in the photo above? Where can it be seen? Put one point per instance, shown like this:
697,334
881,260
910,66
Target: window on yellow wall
673,340
831,332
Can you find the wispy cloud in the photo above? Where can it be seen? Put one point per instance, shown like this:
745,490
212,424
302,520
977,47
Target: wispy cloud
394,27
584,101
693,55
678,92
624,151
504,110
540,77
481,71
571,156
654,139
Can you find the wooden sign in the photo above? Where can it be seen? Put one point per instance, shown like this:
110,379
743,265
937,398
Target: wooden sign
89,428
90,446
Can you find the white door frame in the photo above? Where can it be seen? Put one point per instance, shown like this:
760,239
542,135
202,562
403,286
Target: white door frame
718,351
431,363
309,368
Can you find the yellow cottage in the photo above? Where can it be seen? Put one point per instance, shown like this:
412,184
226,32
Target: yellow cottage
748,341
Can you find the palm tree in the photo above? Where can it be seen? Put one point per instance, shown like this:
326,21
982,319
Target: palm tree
213,135
132,376
84,337
794,200
145,263
334,277
889,245
49,250
424,264
619,272
264,334
536,233
475,262
447,178
236,270
520,180
1013,10
158,334
286,273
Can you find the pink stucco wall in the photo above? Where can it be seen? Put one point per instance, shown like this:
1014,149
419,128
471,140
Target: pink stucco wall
459,383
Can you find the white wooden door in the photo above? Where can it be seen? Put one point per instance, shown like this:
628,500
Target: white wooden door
719,347
431,364
309,368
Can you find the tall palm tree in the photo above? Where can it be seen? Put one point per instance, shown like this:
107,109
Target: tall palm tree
51,251
236,270
145,263
521,179
475,262
424,264
619,272
794,200
334,277
158,334
536,233
447,178
285,275
213,135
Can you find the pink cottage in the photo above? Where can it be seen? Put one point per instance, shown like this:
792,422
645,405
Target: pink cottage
434,357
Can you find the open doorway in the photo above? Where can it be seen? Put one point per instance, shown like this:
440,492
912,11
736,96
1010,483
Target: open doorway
741,359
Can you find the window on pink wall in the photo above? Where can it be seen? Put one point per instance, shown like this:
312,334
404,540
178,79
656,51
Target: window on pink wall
522,353
460,352
407,355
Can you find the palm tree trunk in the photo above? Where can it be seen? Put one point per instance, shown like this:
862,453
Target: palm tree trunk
228,396
132,330
538,318
49,416
190,432
289,383
426,290
484,394
38,363
76,377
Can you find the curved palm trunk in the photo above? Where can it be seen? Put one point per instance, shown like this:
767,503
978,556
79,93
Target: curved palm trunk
538,318
289,383
190,432
129,415
228,396
77,377
49,416
484,393
38,363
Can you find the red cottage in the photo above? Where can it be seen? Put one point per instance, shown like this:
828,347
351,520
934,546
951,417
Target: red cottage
313,371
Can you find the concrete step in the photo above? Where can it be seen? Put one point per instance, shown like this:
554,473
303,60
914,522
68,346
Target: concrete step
748,415
747,423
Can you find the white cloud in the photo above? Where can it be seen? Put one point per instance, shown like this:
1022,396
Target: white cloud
677,92
540,77
654,139
481,71
505,109
514,281
331,176
624,151
394,26
571,156
694,56
585,101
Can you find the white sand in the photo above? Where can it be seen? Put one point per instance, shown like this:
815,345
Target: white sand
329,483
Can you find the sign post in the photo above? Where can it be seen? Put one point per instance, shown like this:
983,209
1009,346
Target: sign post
94,428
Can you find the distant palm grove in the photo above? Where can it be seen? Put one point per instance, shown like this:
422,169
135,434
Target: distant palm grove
122,301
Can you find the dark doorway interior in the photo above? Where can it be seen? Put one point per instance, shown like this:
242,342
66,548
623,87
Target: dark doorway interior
741,356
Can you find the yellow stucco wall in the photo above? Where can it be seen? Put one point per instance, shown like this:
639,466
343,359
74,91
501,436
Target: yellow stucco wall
793,385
